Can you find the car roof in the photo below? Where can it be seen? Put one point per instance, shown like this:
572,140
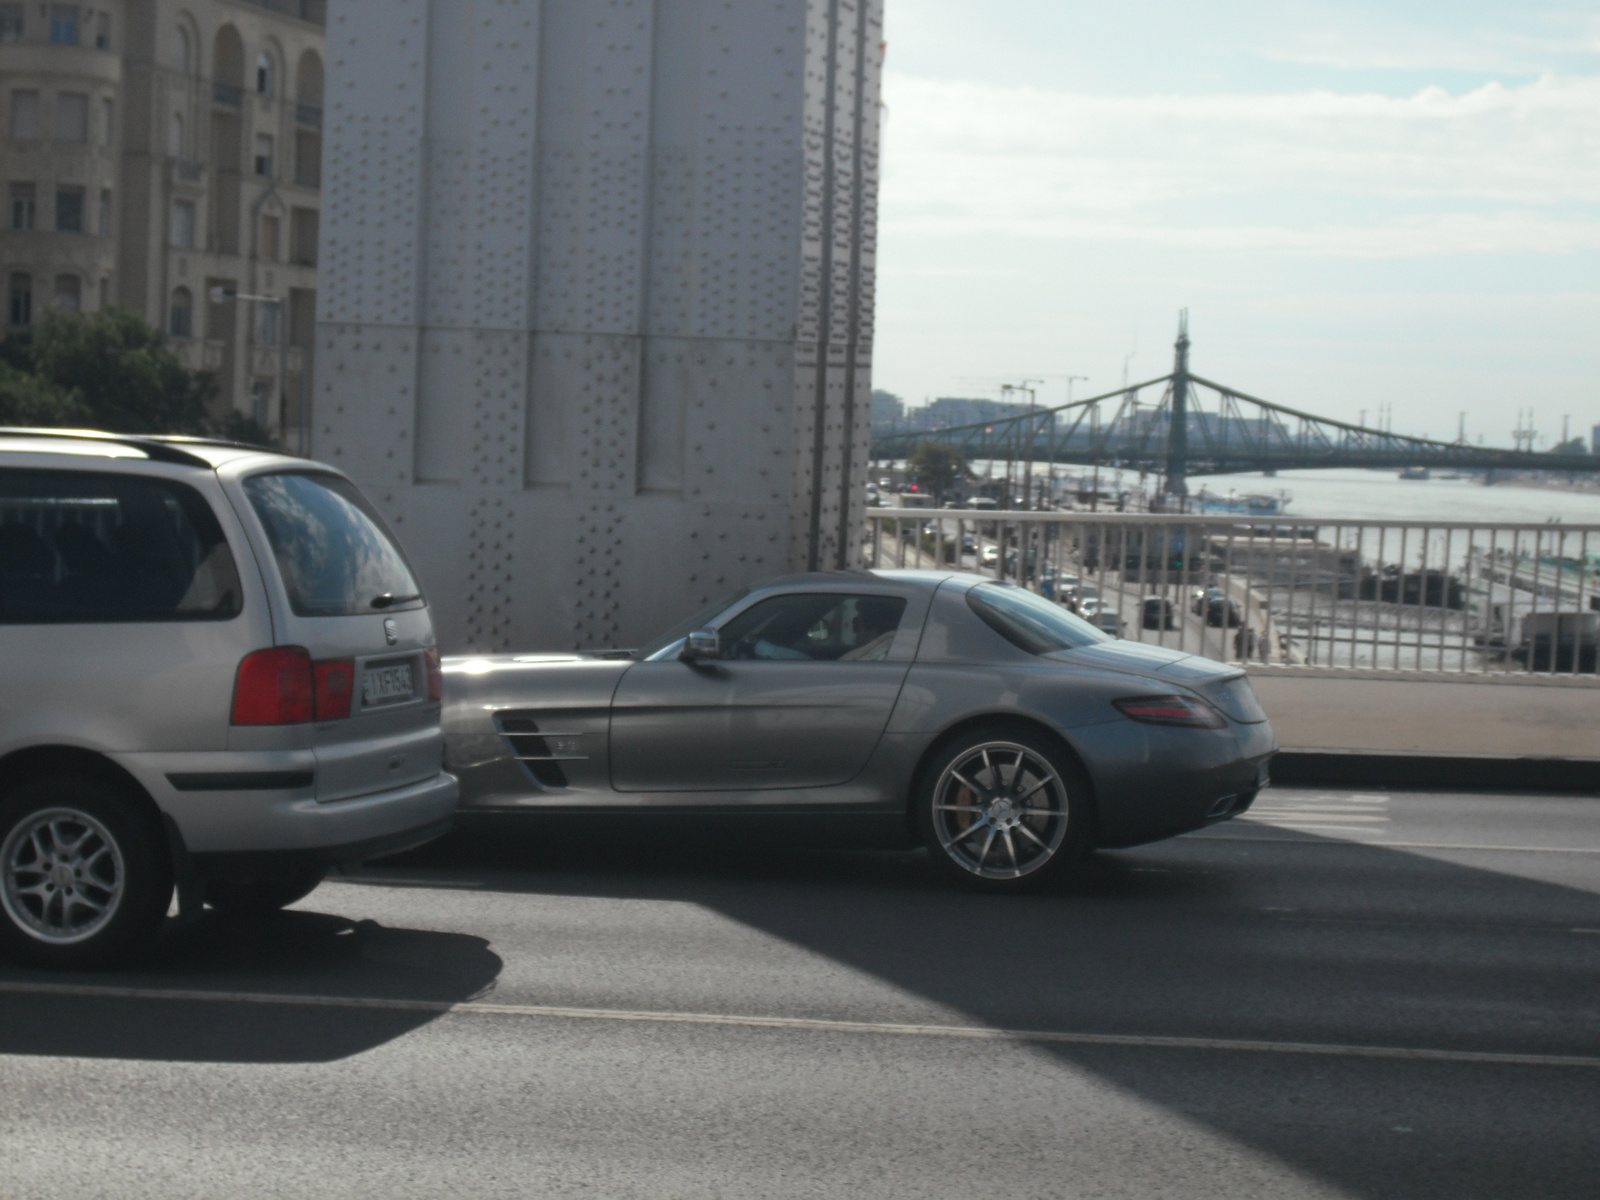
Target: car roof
922,581
175,449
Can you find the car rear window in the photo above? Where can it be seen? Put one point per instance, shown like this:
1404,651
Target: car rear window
335,556
84,547
1030,622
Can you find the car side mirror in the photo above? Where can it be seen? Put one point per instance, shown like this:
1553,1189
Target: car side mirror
700,645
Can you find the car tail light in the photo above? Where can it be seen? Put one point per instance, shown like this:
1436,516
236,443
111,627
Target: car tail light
273,687
335,681
1186,711
435,675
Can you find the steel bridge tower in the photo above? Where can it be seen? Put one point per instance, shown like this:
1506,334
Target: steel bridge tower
1178,430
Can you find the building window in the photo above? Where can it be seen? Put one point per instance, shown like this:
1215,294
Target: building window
11,22
21,298
104,226
64,24
303,236
69,210
69,293
72,117
264,154
269,237
22,206
267,324
183,224
102,31
175,136
180,49
108,114
24,115
266,76
181,324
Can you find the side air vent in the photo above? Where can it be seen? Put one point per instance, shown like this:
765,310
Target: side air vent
541,752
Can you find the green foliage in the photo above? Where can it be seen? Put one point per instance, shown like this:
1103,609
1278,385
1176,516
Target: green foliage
1574,446
109,370
234,426
26,399
121,368
936,468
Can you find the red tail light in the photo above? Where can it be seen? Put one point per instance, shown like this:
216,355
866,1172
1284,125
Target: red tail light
435,675
1186,711
335,681
273,687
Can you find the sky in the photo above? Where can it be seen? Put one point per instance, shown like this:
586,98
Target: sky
1360,204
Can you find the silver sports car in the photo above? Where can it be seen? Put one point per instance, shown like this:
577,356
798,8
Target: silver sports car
1010,734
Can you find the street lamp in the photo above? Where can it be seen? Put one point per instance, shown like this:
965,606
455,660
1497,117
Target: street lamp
220,295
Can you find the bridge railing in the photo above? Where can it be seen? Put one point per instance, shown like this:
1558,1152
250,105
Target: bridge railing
1295,592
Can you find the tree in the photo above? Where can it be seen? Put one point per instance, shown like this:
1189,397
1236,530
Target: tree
936,468
1575,446
119,364
26,399
110,370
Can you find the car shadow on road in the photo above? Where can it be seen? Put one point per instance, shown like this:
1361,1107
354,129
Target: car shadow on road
1264,936
294,953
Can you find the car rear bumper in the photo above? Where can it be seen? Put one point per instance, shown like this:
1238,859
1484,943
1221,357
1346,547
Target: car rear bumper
1153,782
272,806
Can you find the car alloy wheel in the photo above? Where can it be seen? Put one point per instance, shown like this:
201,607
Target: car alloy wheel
85,874
1000,811
62,876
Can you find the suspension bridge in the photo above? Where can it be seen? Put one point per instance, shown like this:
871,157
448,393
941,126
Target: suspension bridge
1198,427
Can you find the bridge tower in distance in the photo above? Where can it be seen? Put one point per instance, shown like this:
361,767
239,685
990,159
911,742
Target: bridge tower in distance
1178,430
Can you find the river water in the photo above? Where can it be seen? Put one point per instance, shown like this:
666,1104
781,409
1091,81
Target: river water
1382,495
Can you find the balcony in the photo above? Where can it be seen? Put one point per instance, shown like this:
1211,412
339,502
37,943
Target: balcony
227,95
313,11
309,115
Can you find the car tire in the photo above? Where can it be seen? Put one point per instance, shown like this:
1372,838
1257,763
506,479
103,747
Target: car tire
259,897
1004,808
85,874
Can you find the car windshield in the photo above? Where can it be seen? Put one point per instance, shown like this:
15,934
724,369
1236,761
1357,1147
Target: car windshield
1030,622
335,556
666,644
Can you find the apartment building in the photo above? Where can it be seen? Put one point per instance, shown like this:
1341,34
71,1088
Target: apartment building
166,155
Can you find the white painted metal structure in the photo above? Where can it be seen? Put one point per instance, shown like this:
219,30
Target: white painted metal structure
596,313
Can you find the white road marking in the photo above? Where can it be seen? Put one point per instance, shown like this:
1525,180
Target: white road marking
807,1024
1352,814
1283,841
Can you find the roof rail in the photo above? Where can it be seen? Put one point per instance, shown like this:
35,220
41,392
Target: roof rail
157,449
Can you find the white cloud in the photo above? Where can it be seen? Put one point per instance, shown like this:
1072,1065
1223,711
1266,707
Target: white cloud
1495,170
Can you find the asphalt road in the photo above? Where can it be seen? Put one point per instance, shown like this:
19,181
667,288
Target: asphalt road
1350,994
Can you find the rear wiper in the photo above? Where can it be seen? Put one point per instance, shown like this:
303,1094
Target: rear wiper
389,600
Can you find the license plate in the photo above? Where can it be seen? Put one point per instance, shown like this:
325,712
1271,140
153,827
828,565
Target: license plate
388,684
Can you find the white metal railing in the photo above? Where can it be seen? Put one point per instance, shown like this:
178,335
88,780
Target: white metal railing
1458,597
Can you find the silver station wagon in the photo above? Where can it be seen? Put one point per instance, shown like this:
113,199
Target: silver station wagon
1006,733
217,673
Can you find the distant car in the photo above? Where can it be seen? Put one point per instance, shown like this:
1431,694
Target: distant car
1220,610
219,670
1083,594
991,555
1156,613
1011,735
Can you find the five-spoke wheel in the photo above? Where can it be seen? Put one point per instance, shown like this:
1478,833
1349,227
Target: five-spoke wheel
1003,808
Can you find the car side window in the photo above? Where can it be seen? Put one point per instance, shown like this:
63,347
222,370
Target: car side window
815,627
82,547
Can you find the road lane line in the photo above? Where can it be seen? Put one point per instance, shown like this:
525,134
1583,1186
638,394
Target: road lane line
1224,837
809,1024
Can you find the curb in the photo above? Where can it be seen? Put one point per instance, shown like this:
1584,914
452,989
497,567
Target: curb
1466,773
